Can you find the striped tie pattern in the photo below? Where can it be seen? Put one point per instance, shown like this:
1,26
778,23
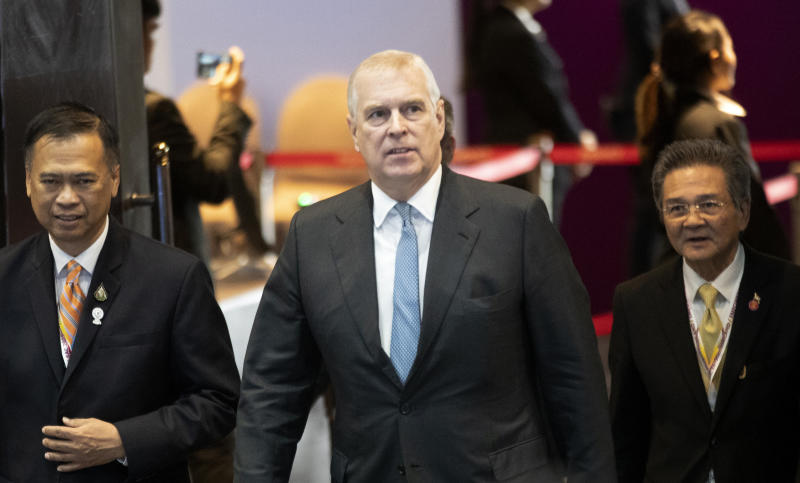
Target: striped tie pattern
405,315
70,304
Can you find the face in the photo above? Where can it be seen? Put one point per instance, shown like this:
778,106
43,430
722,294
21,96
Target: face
397,129
707,243
70,186
723,65
149,28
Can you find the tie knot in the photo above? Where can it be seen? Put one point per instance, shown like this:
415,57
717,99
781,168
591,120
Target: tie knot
404,209
708,293
73,270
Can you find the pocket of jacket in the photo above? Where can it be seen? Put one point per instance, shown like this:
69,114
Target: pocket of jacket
338,467
489,303
519,458
130,340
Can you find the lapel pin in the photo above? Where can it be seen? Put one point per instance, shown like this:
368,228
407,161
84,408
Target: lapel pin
97,315
753,305
100,294
743,374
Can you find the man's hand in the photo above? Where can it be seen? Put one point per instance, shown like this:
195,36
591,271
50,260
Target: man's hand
228,77
588,141
82,443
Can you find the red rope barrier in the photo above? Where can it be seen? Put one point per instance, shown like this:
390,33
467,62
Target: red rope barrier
605,154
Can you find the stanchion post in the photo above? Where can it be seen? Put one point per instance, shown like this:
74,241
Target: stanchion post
794,168
545,171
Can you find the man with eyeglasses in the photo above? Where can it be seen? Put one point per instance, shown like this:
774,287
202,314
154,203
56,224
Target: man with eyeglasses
705,350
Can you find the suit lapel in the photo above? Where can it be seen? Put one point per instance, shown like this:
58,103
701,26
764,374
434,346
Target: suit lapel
41,289
673,316
452,240
352,246
746,324
109,260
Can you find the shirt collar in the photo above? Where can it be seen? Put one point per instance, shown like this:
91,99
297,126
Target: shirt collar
424,200
87,258
525,17
726,282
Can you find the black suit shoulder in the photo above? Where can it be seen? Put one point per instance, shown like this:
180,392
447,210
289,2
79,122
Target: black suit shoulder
14,257
650,281
156,253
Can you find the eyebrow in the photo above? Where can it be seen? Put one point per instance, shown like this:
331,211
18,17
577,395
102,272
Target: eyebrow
702,197
384,105
56,174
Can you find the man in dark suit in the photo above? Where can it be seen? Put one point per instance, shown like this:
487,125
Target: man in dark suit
116,360
524,87
704,350
453,325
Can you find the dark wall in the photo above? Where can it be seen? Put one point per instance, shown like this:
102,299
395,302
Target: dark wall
88,51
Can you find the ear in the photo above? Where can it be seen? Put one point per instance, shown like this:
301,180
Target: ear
353,128
114,180
439,109
744,212
28,182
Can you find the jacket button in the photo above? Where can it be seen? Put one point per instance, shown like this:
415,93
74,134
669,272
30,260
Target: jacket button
401,469
405,408
714,443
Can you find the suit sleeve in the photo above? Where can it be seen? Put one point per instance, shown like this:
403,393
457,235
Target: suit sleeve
566,359
630,405
204,376
200,173
280,369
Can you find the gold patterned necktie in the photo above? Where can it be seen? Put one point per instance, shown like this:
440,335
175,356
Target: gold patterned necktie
711,325
70,304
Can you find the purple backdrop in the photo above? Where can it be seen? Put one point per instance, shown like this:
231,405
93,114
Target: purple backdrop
587,36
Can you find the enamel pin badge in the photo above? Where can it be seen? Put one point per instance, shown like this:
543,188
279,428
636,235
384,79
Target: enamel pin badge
100,294
97,315
753,305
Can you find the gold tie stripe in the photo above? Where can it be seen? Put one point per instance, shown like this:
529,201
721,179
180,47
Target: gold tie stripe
710,326
70,303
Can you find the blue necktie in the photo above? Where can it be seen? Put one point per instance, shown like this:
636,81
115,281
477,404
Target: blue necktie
405,316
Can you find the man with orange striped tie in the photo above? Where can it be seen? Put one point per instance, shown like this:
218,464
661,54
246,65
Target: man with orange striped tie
115,359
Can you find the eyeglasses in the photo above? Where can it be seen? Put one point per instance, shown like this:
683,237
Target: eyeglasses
706,208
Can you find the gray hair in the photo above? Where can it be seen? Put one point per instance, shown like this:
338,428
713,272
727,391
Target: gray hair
391,60
706,152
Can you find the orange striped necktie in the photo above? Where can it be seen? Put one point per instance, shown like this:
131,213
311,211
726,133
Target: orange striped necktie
70,304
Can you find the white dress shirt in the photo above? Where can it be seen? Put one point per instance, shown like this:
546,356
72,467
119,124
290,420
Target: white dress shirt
87,260
525,17
386,233
727,284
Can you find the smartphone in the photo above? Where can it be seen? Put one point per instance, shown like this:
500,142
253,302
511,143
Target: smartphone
207,63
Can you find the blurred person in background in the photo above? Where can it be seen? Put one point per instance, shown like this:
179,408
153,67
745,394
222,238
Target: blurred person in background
684,98
202,175
642,22
199,175
524,89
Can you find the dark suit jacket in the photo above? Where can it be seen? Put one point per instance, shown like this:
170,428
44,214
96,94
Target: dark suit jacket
523,84
507,349
160,367
664,430
197,175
